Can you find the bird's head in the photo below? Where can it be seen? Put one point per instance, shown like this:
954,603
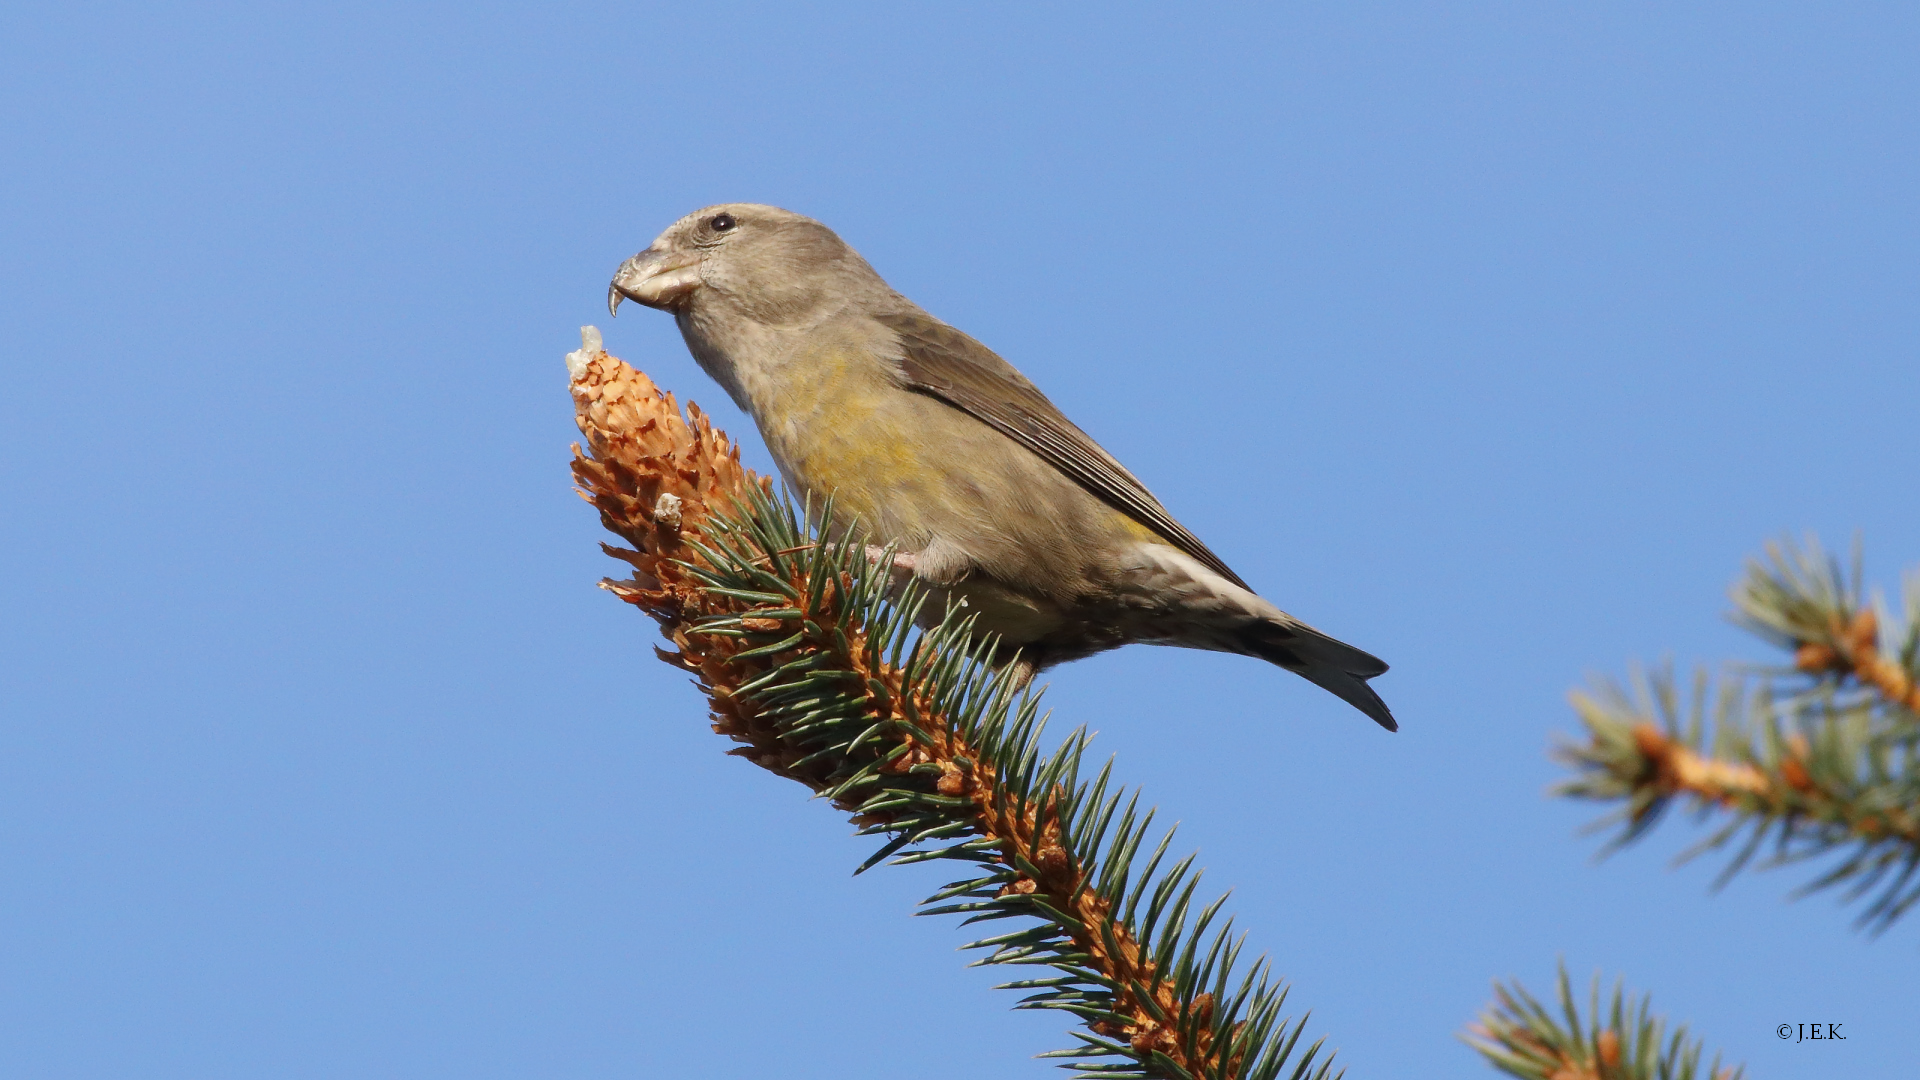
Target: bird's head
761,262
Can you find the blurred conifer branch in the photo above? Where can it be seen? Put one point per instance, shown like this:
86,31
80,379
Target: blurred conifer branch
1522,1037
1808,759
808,663
1800,600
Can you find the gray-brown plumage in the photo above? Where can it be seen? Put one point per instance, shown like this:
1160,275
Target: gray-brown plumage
942,448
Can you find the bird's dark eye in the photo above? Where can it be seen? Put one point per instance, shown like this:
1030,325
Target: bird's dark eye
721,222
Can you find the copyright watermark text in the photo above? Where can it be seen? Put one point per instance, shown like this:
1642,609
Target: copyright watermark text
1810,1032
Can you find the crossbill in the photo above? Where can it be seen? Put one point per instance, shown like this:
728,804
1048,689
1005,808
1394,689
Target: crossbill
935,445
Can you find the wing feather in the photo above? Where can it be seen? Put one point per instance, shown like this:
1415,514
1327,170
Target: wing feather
944,363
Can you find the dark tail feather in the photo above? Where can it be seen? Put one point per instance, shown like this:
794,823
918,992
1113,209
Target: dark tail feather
1334,666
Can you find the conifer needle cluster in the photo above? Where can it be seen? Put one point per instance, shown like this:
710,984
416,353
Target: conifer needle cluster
1815,757
1625,1041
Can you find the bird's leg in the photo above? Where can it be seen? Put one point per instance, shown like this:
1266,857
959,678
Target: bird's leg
900,571
939,568
904,562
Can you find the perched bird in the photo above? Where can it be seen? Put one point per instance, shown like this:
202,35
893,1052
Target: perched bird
941,448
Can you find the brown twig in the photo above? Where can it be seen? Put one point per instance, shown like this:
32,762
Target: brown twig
1790,787
1854,650
1675,769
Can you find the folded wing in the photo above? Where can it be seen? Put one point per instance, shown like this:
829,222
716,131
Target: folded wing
944,363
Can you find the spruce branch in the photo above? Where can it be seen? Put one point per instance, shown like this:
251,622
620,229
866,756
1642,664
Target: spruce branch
1521,1037
1806,760
808,654
1801,600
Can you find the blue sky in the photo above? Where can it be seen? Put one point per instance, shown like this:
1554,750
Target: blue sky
1489,337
